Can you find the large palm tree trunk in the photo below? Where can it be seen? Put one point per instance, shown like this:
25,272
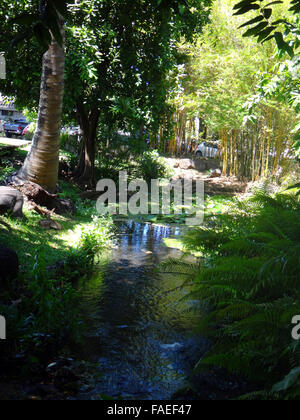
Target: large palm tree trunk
41,164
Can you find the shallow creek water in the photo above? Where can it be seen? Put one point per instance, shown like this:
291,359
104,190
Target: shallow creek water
140,322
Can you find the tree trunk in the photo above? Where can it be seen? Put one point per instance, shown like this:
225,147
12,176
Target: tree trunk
85,171
41,164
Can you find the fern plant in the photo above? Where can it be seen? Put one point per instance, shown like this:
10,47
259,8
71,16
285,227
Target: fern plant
250,277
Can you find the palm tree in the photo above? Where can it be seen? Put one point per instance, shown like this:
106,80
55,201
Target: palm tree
41,164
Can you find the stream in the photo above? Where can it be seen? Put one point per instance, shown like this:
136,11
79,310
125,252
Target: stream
140,322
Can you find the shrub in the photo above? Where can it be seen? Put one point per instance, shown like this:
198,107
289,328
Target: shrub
250,277
153,166
92,238
47,315
53,300
45,318
6,169
69,143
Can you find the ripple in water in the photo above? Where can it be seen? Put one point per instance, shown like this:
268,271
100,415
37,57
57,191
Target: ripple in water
140,327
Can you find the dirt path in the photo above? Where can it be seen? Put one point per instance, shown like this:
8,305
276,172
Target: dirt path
209,171
13,142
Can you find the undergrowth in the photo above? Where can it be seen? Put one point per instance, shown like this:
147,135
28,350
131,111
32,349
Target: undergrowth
41,307
249,276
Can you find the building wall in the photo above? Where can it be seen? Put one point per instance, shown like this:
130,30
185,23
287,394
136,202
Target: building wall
7,113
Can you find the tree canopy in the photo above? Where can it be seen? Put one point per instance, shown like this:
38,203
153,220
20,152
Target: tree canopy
118,58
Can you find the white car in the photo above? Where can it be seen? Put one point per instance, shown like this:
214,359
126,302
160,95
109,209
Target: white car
206,149
74,131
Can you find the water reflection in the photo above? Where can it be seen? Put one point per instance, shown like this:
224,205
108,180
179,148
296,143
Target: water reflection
139,323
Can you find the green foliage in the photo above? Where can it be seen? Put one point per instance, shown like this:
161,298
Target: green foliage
221,73
244,92
118,57
153,166
64,140
46,315
94,238
53,302
42,22
125,72
6,168
266,28
69,144
250,278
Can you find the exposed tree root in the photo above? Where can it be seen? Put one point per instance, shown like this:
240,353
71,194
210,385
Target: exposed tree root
41,200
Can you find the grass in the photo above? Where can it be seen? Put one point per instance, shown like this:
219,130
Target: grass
27,236
47,315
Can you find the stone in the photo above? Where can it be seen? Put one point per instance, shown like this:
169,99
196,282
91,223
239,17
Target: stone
50,224
186,164
11,200
200,165
9,263
64,205
217,173
212,164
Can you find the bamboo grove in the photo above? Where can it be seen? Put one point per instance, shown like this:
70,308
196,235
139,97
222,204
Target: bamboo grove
226,92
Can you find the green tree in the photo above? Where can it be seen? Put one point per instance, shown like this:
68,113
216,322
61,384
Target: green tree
44,21
119,69
223,83
119,55
265,27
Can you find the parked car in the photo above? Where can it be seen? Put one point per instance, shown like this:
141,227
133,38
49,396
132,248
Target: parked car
206,149
25,131
29,129
74,131
15,128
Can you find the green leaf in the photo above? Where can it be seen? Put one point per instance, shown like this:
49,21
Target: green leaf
256,30
181,9
296,6
267,39
52,21
277,22
243,3
273,3
266,33
252,21
268,13
246,9
295,9
282,45
294,187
